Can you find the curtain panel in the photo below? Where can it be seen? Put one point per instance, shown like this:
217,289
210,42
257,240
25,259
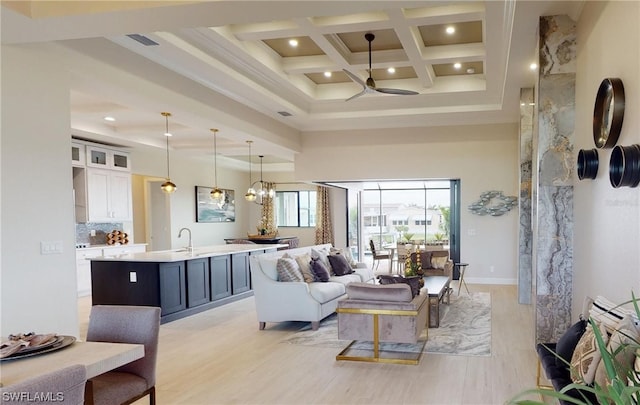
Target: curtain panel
268,210
324,225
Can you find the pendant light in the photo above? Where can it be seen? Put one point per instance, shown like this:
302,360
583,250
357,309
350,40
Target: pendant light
251,193
259,187
217,195
167,187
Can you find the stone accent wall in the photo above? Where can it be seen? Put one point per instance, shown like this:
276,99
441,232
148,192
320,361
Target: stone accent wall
525,234
553,228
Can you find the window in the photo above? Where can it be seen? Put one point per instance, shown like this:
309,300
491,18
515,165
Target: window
375,220
399,222
295,208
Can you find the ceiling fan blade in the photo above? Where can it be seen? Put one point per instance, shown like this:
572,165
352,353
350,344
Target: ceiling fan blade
396,91
363,92
355,78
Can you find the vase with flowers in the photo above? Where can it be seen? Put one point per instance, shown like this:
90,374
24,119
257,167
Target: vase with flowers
414,269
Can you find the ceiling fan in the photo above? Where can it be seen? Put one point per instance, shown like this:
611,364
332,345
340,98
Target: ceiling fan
369,87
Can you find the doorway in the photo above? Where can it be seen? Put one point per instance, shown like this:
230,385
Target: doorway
158,218
423,212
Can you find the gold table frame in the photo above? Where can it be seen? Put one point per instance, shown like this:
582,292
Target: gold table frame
375,357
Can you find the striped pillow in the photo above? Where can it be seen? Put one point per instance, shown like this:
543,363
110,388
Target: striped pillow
608,314
288,270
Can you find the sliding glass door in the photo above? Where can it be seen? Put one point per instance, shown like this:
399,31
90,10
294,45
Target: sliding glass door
418,212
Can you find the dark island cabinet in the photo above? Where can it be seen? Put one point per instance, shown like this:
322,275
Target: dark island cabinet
198,282
173,292
179,288
240,277
220,277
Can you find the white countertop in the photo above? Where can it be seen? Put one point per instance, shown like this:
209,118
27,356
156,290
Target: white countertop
176,255
105,246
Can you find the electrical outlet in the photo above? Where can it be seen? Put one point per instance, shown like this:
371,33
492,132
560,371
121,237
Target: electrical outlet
133,277
92,232
492,269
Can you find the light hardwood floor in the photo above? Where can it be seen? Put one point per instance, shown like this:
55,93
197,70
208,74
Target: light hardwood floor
220,357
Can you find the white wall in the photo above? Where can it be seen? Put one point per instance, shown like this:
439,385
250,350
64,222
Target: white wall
38,291
607,220
483,157
187,173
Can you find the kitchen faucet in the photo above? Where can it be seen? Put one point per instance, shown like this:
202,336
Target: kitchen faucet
190,247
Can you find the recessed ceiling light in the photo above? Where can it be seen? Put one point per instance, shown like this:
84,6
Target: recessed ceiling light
471,71
327,74
391,70
293,42
109,118
533,66
522,104
168,134
457,65
450,30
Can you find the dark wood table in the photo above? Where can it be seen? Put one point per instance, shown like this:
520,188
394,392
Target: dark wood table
292,241
437,288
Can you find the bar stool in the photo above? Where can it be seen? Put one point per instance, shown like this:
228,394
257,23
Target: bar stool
462,267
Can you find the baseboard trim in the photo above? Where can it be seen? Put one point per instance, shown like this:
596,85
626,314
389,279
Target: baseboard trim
500,281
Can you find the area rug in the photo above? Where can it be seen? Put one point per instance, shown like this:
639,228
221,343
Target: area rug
465,330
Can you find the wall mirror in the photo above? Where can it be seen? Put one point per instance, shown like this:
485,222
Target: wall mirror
608,113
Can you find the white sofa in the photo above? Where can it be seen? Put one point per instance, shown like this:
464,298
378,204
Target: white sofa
279,301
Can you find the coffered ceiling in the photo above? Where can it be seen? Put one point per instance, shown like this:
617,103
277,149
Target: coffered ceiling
231,65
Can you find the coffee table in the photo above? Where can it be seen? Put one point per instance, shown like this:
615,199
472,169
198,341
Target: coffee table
437,288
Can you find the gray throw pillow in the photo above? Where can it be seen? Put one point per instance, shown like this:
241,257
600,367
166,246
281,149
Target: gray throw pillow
320,271
340,265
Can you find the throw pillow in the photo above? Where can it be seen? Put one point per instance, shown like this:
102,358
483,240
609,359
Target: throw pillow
438,262
339,265
320,271
413,282
606,312
567,343
304,262
322,254
621,348
586,357
346,252
288,270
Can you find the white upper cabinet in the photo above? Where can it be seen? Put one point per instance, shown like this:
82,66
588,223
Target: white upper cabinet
108,196
77,154
108,159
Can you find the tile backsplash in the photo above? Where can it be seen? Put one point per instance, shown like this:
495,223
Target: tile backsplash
83,232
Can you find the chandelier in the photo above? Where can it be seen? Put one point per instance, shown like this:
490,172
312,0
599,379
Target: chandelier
261,189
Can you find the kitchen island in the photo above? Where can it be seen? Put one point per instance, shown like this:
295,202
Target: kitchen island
181,282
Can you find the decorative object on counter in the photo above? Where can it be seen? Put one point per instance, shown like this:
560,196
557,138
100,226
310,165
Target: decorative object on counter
208,210
624,166
117,237
608,113
587,166
265,228
217,195
251,192
494,203
167,187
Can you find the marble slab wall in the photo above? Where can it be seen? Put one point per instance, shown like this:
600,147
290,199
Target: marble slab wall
525,236
553,227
